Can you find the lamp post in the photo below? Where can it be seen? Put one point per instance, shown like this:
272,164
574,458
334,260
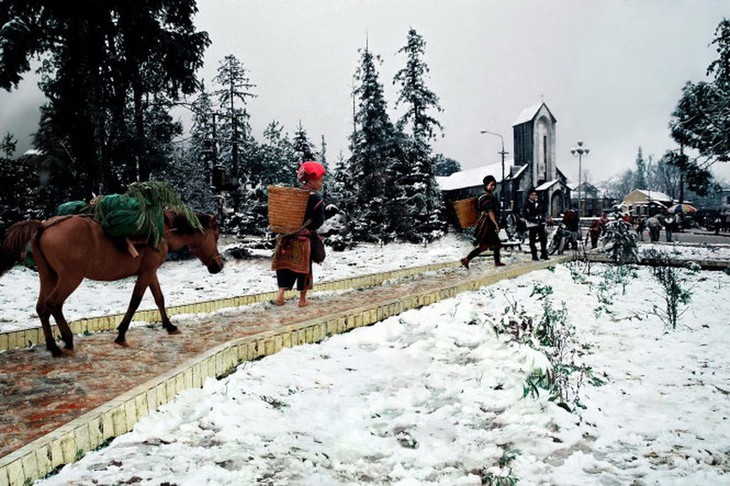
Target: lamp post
502,183
580,150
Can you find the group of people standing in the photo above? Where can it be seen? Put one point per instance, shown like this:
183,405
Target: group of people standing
655,223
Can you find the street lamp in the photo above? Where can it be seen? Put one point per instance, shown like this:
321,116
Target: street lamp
501,184
580,150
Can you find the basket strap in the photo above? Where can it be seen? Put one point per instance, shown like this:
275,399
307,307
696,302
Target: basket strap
306,223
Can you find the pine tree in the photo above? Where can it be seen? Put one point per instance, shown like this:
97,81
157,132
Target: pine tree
104,65
232,97
370,144
190,172
701,122
640,173
234,131
415,178
445,166
303,148
339,193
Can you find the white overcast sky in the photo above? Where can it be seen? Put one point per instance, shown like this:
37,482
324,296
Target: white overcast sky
611,71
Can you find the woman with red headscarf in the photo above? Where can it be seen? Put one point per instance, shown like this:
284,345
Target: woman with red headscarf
293,256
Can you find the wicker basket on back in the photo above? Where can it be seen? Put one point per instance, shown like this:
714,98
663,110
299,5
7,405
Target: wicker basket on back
287,206
466,212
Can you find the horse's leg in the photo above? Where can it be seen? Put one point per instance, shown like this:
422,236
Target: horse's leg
54,302
139,287
48,281
160,301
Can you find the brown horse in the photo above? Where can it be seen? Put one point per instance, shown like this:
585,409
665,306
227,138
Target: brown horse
68,249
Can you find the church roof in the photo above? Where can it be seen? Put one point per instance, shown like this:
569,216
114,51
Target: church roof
471,177
528,114
518,173
547,185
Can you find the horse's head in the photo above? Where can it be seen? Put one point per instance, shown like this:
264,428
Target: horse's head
202,244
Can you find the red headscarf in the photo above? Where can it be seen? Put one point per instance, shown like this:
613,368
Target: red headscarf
310,170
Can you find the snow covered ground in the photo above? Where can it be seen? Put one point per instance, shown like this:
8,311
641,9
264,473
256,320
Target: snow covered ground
450,394
435,396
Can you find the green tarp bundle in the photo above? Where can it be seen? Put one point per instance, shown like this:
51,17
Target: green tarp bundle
138,213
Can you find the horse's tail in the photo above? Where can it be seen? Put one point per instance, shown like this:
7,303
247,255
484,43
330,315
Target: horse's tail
13,247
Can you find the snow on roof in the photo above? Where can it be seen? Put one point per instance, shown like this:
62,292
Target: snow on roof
655,195
470,177
546,185
527,114
517,174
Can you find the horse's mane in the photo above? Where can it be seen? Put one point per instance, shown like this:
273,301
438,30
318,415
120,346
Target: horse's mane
180,223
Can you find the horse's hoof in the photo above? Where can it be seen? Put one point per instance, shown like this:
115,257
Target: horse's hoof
57,353
173,331
68,352
122,344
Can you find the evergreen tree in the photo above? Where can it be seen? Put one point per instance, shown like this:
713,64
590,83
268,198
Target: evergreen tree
701,121
234,129
103,63
640,173
415,178
8,145
203,134
370,145
186,175
444,166
279,157
339,193
190,172
303,148
237,147
21,189
414,94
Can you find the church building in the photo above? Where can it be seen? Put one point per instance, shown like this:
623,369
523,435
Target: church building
534,166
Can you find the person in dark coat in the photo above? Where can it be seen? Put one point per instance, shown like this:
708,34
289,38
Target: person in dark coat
536,217
487,228
293,256
572,224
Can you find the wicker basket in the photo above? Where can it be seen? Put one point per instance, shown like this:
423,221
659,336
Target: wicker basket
466,212
287,206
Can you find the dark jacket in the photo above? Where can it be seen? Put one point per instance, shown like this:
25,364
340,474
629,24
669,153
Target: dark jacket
534,212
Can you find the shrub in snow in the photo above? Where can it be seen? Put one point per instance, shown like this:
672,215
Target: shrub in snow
673,289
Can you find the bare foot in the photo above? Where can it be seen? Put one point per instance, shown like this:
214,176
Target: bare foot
279,302
304,303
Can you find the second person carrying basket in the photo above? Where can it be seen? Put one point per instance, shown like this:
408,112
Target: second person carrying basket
293,254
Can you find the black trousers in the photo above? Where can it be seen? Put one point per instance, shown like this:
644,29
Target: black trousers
538,233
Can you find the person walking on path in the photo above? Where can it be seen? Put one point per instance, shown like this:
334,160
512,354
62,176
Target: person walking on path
293,253
487,228
535,215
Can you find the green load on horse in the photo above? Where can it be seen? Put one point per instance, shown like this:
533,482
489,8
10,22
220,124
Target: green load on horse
138,213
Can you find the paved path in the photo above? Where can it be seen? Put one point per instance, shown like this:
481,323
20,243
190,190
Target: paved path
39,393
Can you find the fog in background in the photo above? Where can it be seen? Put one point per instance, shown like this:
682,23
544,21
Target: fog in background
610,71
